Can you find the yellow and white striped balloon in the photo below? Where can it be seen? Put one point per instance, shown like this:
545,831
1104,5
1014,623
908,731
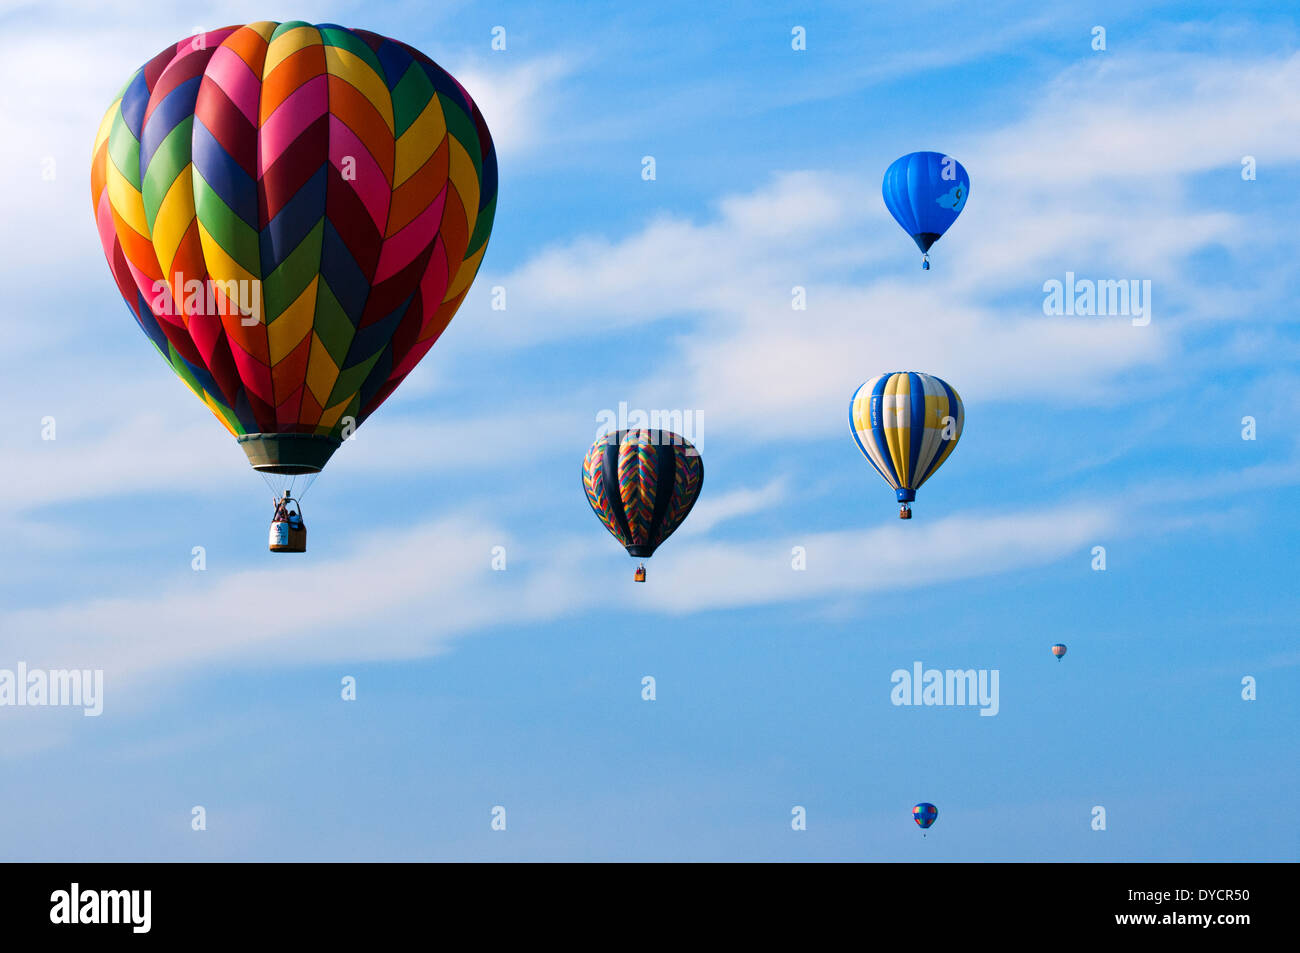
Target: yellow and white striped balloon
906,423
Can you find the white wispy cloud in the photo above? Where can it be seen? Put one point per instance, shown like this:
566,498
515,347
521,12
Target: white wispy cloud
408,594
892,557
718,508
1052,192
398,594
518,99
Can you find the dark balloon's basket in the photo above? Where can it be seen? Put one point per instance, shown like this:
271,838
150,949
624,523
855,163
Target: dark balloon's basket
639,575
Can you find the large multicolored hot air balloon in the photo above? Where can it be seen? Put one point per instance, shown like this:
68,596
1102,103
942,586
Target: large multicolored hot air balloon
642,483
293,214
925,814
906,423
1059,650
925,192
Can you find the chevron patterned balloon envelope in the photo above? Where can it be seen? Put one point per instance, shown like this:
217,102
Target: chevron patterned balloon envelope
293,213
642,484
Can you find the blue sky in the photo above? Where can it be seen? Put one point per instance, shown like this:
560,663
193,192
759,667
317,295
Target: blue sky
522,688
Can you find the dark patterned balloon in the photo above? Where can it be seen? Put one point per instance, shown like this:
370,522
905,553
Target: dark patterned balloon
641,484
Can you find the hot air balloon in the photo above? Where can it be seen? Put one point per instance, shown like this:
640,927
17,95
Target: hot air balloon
293,214
925,192
641,484
1059,650
906,423
924,814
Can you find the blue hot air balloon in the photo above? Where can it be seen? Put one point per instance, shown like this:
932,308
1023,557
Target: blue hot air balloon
924,814
925,192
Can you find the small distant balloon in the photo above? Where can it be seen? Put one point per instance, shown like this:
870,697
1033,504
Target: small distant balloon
925,192
1059,650
925,814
